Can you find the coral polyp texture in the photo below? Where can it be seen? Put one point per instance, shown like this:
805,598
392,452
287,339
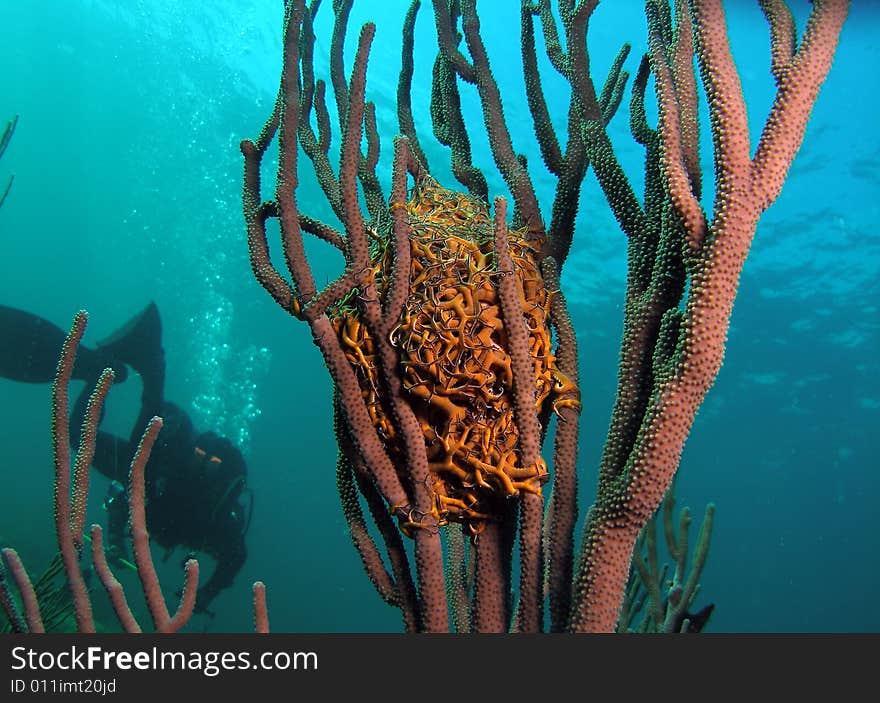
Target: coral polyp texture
454,358
447,334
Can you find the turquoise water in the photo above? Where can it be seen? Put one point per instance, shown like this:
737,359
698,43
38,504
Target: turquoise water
127,189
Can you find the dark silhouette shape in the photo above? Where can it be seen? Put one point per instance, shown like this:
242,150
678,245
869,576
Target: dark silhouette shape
4,142
695,621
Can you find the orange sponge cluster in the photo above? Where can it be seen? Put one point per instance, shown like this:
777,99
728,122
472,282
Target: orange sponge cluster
453,357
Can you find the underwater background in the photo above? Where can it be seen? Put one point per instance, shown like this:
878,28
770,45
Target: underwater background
127,189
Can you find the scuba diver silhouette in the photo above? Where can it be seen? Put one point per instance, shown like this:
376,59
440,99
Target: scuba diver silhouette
195,483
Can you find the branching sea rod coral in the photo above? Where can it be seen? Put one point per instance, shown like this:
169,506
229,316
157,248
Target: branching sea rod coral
47,604
418,427
5,138
70,497
447,335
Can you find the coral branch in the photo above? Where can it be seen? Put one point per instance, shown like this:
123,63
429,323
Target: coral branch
84,455
690,347
261,611
111,583
141,539
32,617
61,454
447,335
5,138
69,520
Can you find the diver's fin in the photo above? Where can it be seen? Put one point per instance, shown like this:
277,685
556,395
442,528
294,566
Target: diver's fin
30,346
138,343
698,620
